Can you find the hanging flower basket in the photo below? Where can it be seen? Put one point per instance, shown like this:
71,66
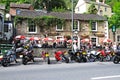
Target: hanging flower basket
84,35
100,34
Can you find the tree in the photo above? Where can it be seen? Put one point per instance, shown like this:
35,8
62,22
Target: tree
92,9
7,4
49,5
115,19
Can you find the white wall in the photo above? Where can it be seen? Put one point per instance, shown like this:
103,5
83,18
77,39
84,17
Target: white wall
80,7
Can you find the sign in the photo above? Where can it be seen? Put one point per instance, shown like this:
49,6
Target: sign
113,29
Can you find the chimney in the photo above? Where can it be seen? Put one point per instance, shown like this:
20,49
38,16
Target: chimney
97,1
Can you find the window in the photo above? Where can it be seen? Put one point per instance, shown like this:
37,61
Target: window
94,26
118,38
31,26
94,41
101,12
105,9
59,25
78,8
18,11
5,27
76,25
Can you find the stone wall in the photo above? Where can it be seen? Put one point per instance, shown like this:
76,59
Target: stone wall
38,51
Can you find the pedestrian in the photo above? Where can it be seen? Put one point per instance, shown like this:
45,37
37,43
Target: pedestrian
114,47
75,48
118,46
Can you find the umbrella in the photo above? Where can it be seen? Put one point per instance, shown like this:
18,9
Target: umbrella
47,39
106,40
35,38
20,37
70,41
85,40
60,40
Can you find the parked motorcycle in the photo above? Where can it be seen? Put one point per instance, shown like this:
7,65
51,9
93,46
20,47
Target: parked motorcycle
83,55
116,58
1,56
8,58
74,56
78,56
105,55
94,55
60,56
27,56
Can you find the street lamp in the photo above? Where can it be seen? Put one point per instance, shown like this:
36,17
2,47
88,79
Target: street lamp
72,16
7,16
78,38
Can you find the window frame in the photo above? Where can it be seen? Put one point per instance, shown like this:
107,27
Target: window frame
95,26
61,25
31,24
96,40
77,25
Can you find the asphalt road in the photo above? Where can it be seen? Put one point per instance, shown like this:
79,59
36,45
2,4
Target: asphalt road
61,71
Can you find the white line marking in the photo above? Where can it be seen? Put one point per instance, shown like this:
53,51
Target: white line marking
105,77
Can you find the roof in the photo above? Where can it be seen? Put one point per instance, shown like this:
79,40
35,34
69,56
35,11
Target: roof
15,5
63,15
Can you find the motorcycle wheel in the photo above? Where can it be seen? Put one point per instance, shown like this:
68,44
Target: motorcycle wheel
108,58
84,59
66,60
101,58
116,60
92,58
24,61
5,63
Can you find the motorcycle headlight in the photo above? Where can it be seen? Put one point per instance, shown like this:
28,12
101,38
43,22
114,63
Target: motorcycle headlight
1,56
21,56
78,54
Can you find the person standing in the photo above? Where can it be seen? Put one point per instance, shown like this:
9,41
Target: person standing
114,47
75,48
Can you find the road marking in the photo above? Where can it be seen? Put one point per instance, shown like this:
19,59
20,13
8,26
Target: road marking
105,77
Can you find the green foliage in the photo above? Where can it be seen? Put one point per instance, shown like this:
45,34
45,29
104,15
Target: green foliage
49,21
43,22
49,5
92,9
116,8
59,9
18,19
115,19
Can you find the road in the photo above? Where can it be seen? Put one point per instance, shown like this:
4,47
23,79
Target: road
61,71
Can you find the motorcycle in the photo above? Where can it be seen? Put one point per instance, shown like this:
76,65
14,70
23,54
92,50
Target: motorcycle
82,55
60,56
74,56
94,55
105,55
27,56
116,58
78,56
8,58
